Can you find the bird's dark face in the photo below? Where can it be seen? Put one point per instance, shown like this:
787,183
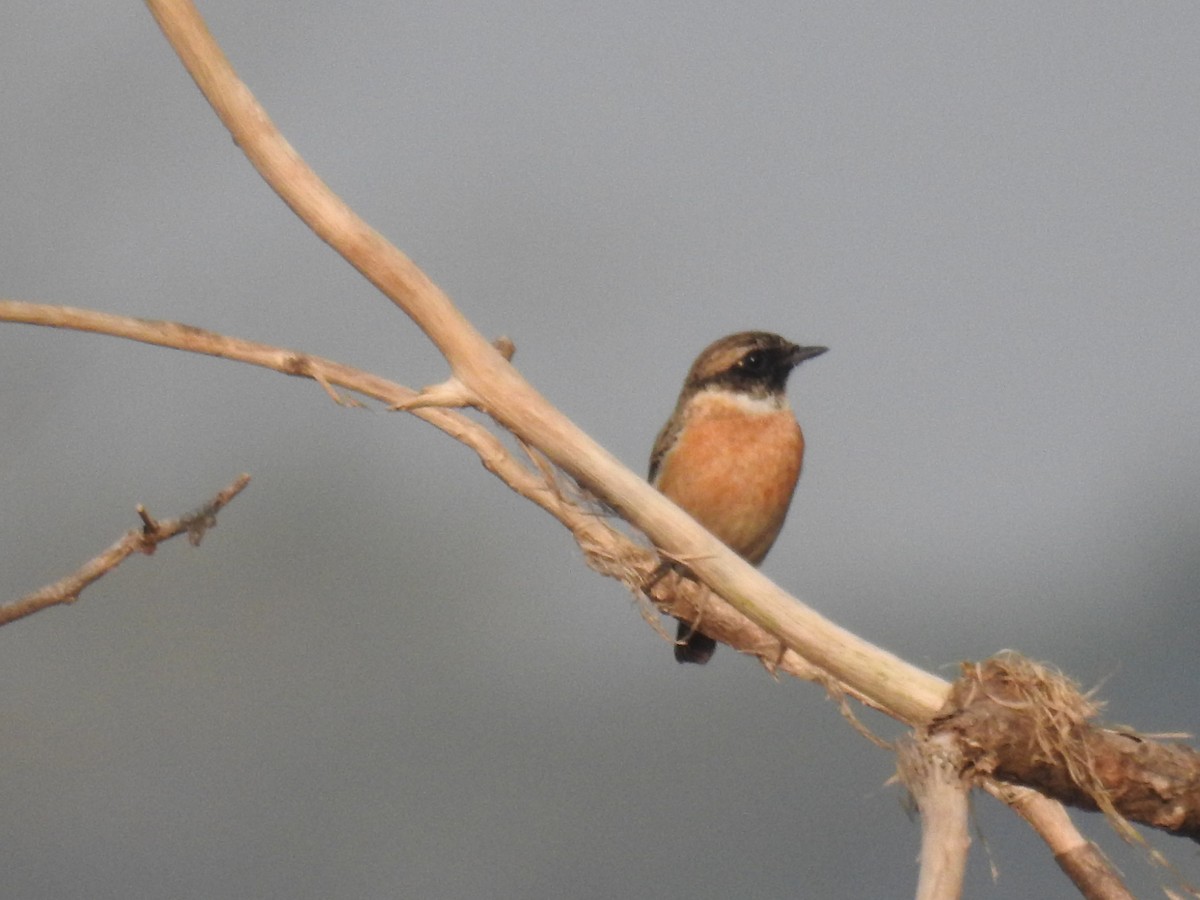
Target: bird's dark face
756,363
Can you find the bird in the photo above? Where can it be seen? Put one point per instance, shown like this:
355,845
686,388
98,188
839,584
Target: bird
731,452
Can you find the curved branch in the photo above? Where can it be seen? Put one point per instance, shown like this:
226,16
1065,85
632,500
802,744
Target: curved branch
606,550
889,683
905,691
884,680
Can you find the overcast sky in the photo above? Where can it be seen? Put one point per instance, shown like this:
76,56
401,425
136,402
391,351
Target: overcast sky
384,675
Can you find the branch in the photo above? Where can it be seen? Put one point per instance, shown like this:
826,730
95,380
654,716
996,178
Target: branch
1080,859
143,540
494,386
481,377
931,769
606,550
1026,724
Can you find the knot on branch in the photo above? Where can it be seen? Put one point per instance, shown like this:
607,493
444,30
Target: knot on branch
1026,723
1010,708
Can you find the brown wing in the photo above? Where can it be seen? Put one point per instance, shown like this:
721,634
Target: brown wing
664,441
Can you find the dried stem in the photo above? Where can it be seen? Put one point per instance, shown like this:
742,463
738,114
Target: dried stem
482,377
496,387
931,769
606,550
1080,859
137,540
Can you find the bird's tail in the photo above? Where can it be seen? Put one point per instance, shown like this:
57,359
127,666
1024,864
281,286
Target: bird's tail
692,646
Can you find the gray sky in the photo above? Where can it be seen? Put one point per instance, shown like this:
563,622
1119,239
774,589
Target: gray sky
385,676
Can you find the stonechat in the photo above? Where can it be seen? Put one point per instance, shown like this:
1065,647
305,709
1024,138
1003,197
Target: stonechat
730,454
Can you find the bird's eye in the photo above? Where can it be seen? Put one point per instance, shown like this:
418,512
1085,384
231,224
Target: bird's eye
755,363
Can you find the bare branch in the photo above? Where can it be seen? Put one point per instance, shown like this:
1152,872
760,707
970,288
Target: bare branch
137,540
931,768
482,377
606,550
1080,859
906,691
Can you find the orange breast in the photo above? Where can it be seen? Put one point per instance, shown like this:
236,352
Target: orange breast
734,471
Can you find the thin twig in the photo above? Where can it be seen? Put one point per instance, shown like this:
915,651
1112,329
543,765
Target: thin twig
137,540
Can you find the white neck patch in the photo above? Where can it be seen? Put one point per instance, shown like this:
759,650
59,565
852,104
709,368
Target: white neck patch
751,403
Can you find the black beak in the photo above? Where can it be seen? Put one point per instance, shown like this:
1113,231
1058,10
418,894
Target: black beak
800,354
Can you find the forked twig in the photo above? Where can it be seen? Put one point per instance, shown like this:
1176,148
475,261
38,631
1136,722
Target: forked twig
137,540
